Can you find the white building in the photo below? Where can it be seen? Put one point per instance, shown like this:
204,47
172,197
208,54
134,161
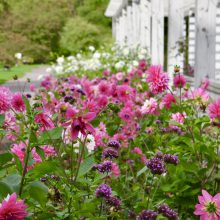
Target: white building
193,28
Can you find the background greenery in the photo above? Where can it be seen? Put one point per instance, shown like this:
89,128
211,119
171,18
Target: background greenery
42,30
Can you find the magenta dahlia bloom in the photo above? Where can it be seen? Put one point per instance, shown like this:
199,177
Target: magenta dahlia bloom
167,100
81,124
157,79
214,109
17,102
208,207
179,81
44,121
5,99
10,208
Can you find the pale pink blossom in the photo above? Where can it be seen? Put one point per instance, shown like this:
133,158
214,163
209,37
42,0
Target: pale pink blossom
178,117
149,107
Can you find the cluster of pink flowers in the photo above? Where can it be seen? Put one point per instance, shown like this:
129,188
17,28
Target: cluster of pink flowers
9,100
73,104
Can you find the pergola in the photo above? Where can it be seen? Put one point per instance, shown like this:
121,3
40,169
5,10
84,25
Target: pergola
192,23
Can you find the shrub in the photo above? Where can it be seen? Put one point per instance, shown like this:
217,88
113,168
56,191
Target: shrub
78,34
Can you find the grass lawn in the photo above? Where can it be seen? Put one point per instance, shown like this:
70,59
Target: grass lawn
19,71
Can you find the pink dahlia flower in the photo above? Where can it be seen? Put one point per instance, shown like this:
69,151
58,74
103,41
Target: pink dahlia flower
5,99
157,79
167,100
178,117
17,102
104,87
208,207
149,107
44,120
124,92
10,208
81,124
214,109
205,83
179,81
200,93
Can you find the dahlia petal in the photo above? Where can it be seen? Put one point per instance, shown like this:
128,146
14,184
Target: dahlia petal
201,200
90,128
199,209
207,196
89,116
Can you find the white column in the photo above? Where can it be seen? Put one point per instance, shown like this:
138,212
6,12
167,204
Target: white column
129,26
157,49
145,8
175,27
136,21
124,25
117,29
121,30
114,24
205,39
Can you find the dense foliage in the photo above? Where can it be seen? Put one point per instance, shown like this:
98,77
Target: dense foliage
35,28
121,146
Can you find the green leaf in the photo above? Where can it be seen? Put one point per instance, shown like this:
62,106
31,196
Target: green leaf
53,134
41,152
86,166
2,119
45,167
5,158
38,191
27,104
18,163
141,171
5,189
13,181
33,139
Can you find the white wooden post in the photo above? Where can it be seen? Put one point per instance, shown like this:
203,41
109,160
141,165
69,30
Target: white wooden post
114,26
121,30
145,8
125,29
136,21
157,49
205,39
129,26
117,29
175,34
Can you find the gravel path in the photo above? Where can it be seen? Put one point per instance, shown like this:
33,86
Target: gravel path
21,84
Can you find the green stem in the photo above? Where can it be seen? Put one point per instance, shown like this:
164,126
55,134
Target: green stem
158,184
24,170
80,159
151,184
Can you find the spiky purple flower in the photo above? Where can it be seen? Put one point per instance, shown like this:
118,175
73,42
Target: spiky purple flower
105,167
166,211
110,153
156,166
147,215
113,201
114,143
169,158
103,191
